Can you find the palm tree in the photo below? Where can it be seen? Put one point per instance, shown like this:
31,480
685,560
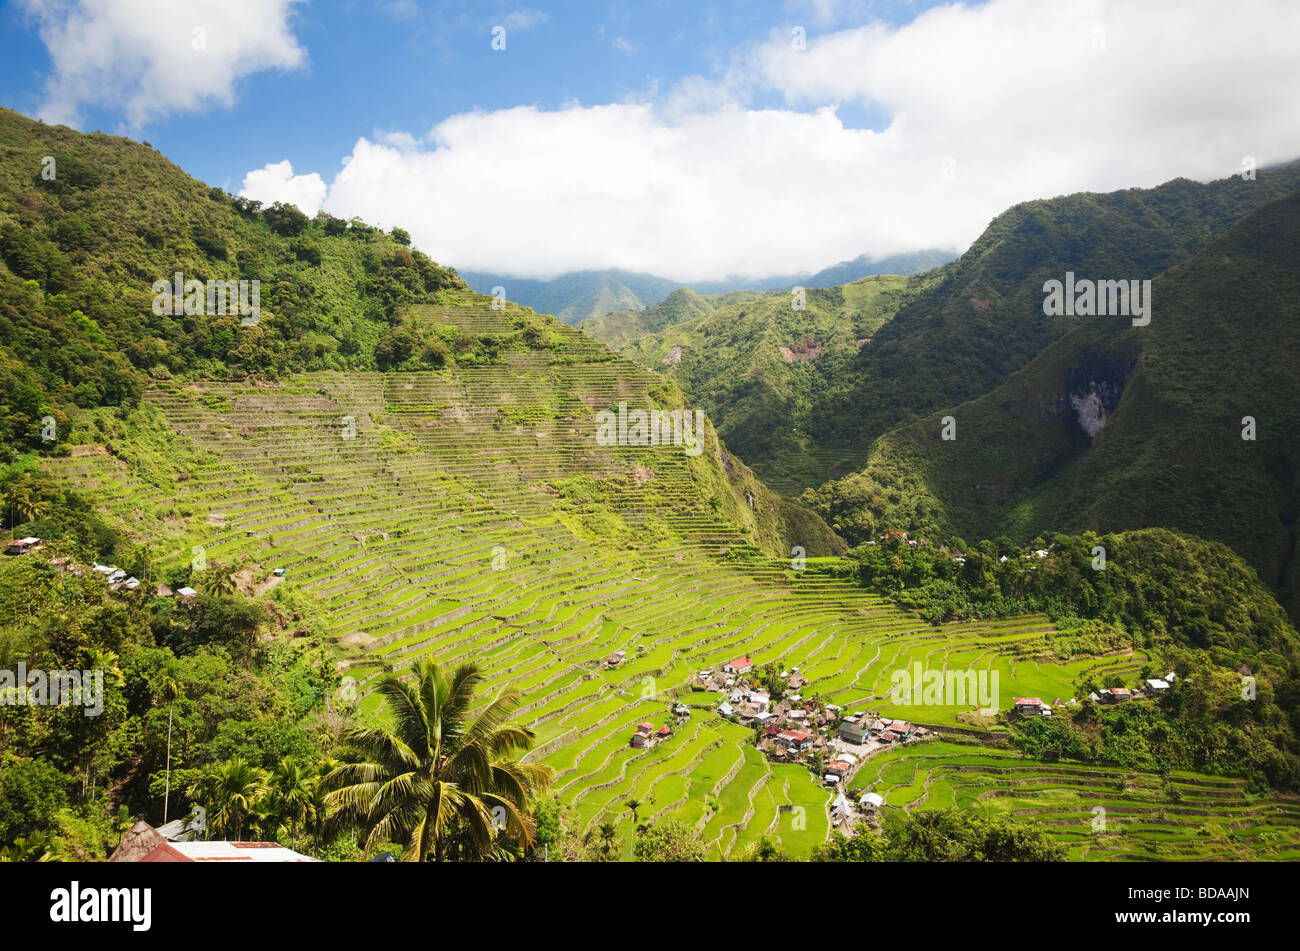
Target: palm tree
608,833
24,504
218,581
34,847
231,793
439,782
294,796
632,806
29,504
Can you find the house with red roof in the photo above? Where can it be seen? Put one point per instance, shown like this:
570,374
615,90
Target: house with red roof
738,666
897,731
795,739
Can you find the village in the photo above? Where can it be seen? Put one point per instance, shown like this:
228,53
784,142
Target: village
790,727
116,578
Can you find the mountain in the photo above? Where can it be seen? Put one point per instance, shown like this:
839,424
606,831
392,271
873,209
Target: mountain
585,295
983,317
757,363
83,249
845,272
682,305
963,330
1115,426
88,253
385,469
577,295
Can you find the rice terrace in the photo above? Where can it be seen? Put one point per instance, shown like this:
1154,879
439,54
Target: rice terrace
474,515
647,434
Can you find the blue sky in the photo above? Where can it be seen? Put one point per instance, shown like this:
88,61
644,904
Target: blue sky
383,66
693,140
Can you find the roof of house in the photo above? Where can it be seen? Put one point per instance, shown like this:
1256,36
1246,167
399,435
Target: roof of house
797,735
739,663
139,841
645,726
1028,702
664,730
228,852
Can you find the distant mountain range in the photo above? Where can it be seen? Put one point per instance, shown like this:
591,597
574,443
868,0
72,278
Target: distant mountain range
579,295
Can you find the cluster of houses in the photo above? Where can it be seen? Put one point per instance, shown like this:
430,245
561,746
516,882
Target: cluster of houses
117,579
1151,687
862,728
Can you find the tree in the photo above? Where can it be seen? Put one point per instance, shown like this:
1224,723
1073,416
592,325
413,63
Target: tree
608,834
285,219
764,850
671,841
632,805
292,797
29,848
439,782
230,792
218,581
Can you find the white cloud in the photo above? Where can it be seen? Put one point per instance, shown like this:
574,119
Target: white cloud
623,46
986,106
277,182
400,9
525,19
156,57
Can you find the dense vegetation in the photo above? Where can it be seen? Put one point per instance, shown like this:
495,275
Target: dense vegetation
1192,605
1170,405
945,837
80,252
233,700
759,364
983,317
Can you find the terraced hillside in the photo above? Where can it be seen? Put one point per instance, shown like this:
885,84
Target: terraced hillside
1100,813
471,514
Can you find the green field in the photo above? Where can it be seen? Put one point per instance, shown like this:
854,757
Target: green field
473,517
1100,813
